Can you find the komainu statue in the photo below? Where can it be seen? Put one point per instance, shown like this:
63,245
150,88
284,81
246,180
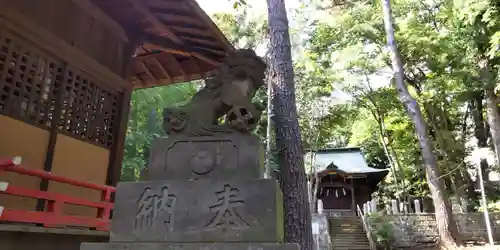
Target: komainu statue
227,96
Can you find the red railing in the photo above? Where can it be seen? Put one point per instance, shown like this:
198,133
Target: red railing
53,216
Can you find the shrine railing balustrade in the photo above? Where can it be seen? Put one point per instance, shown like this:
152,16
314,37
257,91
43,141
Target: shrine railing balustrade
53,215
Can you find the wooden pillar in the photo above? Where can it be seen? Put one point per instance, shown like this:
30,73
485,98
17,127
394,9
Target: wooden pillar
116,154
353,198
56,120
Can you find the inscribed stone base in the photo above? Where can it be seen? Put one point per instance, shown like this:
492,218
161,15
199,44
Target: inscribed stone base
198,211
188,246
218,157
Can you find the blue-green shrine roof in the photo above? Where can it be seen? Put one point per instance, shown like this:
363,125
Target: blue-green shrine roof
347,160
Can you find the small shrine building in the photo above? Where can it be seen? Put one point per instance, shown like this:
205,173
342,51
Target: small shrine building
346,180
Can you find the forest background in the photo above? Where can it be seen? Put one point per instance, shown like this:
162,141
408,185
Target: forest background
345,94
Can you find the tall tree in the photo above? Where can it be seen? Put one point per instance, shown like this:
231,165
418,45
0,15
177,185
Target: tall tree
478,23
447,228
288,140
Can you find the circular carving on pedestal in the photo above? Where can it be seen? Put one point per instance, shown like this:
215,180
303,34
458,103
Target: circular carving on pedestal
202,162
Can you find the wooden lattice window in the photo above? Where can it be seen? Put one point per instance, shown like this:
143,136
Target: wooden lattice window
41,90
89,110
29,81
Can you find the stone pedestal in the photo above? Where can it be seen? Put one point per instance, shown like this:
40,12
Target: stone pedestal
203,193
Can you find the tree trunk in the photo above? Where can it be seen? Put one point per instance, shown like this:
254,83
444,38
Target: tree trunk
288,141
447,227
493,121
269,154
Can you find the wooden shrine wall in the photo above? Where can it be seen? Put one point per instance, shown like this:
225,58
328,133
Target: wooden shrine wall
91,163
20,139
62,70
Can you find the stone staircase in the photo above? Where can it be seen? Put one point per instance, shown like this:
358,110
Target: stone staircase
347,234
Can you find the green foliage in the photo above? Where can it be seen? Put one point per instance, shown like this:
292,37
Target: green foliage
242,29
383,231
145,123
493,207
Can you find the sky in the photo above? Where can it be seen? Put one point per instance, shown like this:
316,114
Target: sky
214,6
259,6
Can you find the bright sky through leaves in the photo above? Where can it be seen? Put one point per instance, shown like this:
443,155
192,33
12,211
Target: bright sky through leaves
214,6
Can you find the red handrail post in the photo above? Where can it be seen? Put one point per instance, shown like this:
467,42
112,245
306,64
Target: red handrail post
104,213
54,208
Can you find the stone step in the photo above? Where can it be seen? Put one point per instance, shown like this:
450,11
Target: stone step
349,236
332,232
346,228
345,218
360,233
361,244
355,239
346,225
350,243
351,247
347,231
361,236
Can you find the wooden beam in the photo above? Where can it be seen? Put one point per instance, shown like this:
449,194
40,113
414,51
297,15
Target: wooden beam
194,31
161,43
145,68
333,185
197,42
148,16
173,51
176,19
206,59
196,65
98,14
172,60
167,50
158,63
222,53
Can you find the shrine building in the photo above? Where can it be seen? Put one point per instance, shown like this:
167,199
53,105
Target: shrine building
346,180
67,71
